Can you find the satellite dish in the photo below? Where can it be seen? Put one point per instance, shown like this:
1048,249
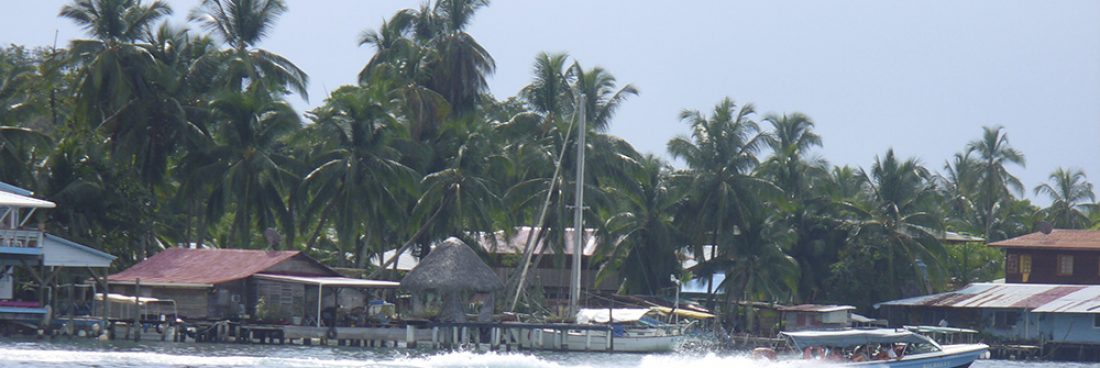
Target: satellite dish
1044,227
273,237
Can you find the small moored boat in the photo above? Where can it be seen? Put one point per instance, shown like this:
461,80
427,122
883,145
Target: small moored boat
883,348
633,330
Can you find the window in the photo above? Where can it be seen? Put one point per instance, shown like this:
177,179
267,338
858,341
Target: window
1025,264
1005,319
1065,265
1012,264
1096,320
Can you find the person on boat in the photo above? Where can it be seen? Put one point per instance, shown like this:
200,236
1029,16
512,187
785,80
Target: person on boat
860,354
886,352
813,353
832,354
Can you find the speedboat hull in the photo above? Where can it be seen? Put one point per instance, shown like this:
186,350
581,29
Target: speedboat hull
952,356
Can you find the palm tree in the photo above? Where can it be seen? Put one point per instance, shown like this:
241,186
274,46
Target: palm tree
720,155
242,24
959,188
247,160
600,93
759,269
806,211
434,38
126,93
15,76
549,92
20,148
899,222
358,181
644,253
1072,199
792,135
121,90
996,183
459,64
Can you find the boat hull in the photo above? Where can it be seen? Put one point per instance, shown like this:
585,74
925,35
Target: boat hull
952,356
598,341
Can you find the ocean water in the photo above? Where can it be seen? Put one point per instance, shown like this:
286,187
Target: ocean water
90,353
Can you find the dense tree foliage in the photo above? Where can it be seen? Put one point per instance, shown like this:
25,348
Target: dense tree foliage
152,135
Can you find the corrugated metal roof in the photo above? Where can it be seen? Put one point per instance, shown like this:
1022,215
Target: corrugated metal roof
516,243
1035,297
5,187
8,199
1086,300
815,308
953,237
332,281
1057,239
206,266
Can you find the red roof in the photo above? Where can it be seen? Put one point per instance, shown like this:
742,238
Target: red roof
1057,239
206,266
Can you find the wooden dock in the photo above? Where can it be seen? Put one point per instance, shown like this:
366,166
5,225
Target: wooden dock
506,336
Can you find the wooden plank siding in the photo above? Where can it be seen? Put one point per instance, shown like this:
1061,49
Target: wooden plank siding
1044,266
191,303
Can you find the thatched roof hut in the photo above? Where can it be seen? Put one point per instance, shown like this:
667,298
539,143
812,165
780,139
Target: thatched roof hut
452,266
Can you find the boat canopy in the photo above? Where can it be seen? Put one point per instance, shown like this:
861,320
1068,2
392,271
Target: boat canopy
845,338
620,315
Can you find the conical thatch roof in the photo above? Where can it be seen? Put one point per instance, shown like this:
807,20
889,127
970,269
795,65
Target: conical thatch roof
452,265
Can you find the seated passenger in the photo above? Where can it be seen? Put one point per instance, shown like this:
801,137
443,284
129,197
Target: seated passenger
859,355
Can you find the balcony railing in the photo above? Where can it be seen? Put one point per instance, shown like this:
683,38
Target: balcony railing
20,238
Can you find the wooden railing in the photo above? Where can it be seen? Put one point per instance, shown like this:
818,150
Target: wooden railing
20,238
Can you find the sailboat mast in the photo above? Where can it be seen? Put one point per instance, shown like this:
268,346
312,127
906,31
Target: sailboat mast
578,208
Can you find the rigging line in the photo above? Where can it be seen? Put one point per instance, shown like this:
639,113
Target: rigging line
529,248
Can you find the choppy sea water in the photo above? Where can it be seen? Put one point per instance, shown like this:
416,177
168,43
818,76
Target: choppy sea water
90,353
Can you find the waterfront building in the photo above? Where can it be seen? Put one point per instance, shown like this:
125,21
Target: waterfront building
815,317
1050,296
275,286
547,271
54,265
452,270
1058,257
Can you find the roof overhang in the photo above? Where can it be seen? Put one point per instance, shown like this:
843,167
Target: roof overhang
180,285
1072,248
58,251
8,199
814,308
126,299
343,282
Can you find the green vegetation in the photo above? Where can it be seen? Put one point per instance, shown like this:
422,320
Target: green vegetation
150,135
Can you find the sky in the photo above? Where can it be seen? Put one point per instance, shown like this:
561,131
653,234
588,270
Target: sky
921,77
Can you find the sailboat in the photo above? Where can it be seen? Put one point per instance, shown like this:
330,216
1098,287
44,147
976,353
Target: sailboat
635,330
631,330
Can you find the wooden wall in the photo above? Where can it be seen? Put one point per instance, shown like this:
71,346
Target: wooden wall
191,303
299,266
1044,267
282,300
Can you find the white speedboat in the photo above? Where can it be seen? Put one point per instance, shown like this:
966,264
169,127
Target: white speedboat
632,330
883,348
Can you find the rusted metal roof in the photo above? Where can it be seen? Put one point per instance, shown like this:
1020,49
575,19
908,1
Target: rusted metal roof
1057,239
198,267
1086,300
1035,297
499,243
814,308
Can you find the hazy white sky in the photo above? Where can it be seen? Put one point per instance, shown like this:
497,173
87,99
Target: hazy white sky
922,77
